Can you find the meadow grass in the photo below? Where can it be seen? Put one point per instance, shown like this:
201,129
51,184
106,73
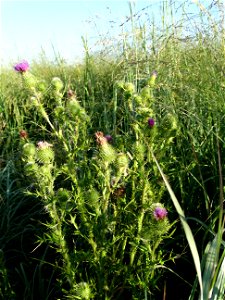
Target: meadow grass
108,148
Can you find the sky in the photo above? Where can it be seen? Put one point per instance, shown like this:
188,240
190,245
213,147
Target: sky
29,27
55,27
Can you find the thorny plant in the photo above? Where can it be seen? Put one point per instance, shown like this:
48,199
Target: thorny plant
103,197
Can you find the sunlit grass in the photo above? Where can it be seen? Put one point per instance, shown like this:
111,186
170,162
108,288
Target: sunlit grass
92,218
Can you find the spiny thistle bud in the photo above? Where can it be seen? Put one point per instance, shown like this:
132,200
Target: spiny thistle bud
138,99
44,152
140,151
29,151
122,163
151,80
93,200
63,195
107,152
146,93
129,87
73,107
120,84
30,168
45,172
30,81
57,84
41,86
83,291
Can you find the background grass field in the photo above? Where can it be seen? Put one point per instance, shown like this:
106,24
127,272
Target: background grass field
77,217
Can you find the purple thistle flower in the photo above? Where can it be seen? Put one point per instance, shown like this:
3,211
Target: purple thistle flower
109,138
160,213
22,66
154,73
151,122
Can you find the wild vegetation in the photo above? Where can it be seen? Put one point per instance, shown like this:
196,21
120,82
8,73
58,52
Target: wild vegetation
111,170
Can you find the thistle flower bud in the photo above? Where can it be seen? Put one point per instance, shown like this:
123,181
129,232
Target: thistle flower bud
151,80
83,291
29,151
107,153
30,81
122,163
129,87
120,84
44,152
73,107
41,86
30,168
146,93
57,84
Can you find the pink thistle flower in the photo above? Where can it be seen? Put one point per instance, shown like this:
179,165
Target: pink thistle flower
151,122
108,138
22,66
155,74
160,213
43,145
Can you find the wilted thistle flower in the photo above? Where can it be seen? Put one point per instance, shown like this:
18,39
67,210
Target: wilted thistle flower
71,93
23,134
160,213
22,66
100,138
151,122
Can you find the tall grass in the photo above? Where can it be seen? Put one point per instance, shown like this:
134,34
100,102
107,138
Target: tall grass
96,198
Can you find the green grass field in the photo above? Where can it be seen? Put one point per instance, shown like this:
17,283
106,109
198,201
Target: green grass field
112,170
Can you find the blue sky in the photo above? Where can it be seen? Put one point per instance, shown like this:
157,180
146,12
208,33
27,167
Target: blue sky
28,26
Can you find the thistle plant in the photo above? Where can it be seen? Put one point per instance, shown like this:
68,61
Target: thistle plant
104,208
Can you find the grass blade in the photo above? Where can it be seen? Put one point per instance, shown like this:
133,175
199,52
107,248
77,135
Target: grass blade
187,230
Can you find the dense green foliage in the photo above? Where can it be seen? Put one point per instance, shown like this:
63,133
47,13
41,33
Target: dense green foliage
79,183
